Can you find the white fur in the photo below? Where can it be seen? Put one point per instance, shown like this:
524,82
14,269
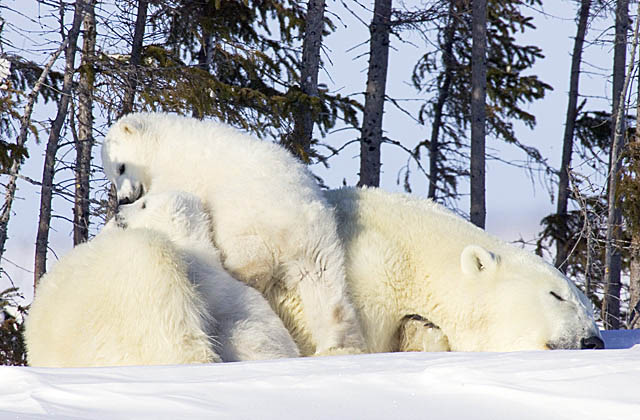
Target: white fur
420,335
270,220
123,298
246,327
407,255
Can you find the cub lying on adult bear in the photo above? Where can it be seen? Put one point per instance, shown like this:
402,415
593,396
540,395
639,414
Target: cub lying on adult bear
271,222
411,262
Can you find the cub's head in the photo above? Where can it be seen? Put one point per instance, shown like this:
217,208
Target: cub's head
180,215
128,147
521,303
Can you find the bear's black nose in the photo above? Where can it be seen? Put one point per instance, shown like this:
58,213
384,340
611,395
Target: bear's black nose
592,343
124,201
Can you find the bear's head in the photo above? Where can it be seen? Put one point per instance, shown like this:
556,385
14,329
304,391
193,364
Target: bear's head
520,302
126,151
179,215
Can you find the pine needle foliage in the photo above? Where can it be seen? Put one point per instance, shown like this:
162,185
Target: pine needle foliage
17,78
237,61
12,349
509,86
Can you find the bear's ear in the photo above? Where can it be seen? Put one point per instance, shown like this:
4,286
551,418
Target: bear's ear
132,126
128,129
475,259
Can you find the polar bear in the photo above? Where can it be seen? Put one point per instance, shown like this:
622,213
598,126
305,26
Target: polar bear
124,298
423,278
246,327
270,220
407,255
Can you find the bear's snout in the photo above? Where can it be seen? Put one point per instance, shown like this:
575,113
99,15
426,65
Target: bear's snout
131,194
593,342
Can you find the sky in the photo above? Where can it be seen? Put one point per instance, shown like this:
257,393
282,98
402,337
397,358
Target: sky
558,385
516,202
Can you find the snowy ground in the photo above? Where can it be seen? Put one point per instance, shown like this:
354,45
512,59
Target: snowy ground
595,384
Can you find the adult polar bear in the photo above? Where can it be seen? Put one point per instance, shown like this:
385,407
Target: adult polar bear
270,220
410,260
408,256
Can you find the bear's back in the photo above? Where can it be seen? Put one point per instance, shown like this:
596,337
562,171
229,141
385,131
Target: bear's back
407,221
108,302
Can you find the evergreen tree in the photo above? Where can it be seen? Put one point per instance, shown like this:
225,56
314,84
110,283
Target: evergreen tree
12,348
371,132
301,138
48,172
583,228
509,88
18,76
567,140
237,61
613,257
84,139
478,212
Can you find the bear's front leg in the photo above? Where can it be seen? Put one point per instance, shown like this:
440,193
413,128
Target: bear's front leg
328,312
249,259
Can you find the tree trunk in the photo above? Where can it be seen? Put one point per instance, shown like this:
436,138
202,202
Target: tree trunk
371,136
42,239
206,53
135,58
443,94
613,260
301,139
634,282
11,188
634,263
205,58
569,127
132,81
478,98
84,143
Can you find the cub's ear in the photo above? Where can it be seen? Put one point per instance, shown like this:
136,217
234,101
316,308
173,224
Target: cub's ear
131,126
475,259
128,129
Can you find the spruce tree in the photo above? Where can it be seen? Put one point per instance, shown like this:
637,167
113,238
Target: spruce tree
508,88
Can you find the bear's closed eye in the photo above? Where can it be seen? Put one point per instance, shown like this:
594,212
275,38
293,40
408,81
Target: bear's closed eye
557,296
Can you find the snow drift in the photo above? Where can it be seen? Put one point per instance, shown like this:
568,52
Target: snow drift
562,384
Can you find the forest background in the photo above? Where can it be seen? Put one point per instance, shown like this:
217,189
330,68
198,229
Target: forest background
251,63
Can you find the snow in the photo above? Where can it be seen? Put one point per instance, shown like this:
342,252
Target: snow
587,384
5,72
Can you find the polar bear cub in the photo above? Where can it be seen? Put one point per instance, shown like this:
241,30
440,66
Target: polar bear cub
122,299
246,327
271,222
